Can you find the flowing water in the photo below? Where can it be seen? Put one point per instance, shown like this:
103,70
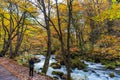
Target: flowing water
94,71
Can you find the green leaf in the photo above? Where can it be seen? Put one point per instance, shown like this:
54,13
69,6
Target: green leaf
113,1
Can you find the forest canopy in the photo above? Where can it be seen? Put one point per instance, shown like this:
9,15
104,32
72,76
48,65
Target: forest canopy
70,29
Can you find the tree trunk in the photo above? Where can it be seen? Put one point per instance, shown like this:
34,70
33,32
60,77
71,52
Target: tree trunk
20,33
5,49
46,64
11,28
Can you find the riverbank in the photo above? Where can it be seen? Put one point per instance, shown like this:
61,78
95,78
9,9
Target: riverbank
94,71
21,72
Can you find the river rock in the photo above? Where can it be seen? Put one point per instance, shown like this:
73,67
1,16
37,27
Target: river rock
55,78
55,65
58,73
112,75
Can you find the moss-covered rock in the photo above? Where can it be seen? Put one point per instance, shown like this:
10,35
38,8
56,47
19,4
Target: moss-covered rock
56,65
109,64
112,75
58,73
76,63
55,78
117,63
73,55
90,60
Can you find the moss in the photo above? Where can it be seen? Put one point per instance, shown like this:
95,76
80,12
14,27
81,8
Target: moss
43,52
112,75
55,78
117,63
89,59
23,59
76,63
56,65
58,73
73,55
109,64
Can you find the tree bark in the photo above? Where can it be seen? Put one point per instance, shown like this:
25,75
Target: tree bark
46,64
20,34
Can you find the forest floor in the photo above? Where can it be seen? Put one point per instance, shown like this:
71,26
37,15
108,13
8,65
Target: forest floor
10,70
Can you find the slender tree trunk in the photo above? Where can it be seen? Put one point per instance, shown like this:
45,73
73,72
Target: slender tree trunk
65,54
46,64
69,3
4,49
18,44
65,58
5,42
20,34
81,41
11,28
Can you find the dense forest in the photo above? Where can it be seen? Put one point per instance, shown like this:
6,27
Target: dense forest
73,31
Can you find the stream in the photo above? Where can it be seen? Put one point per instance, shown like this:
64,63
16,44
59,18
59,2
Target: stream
95,71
